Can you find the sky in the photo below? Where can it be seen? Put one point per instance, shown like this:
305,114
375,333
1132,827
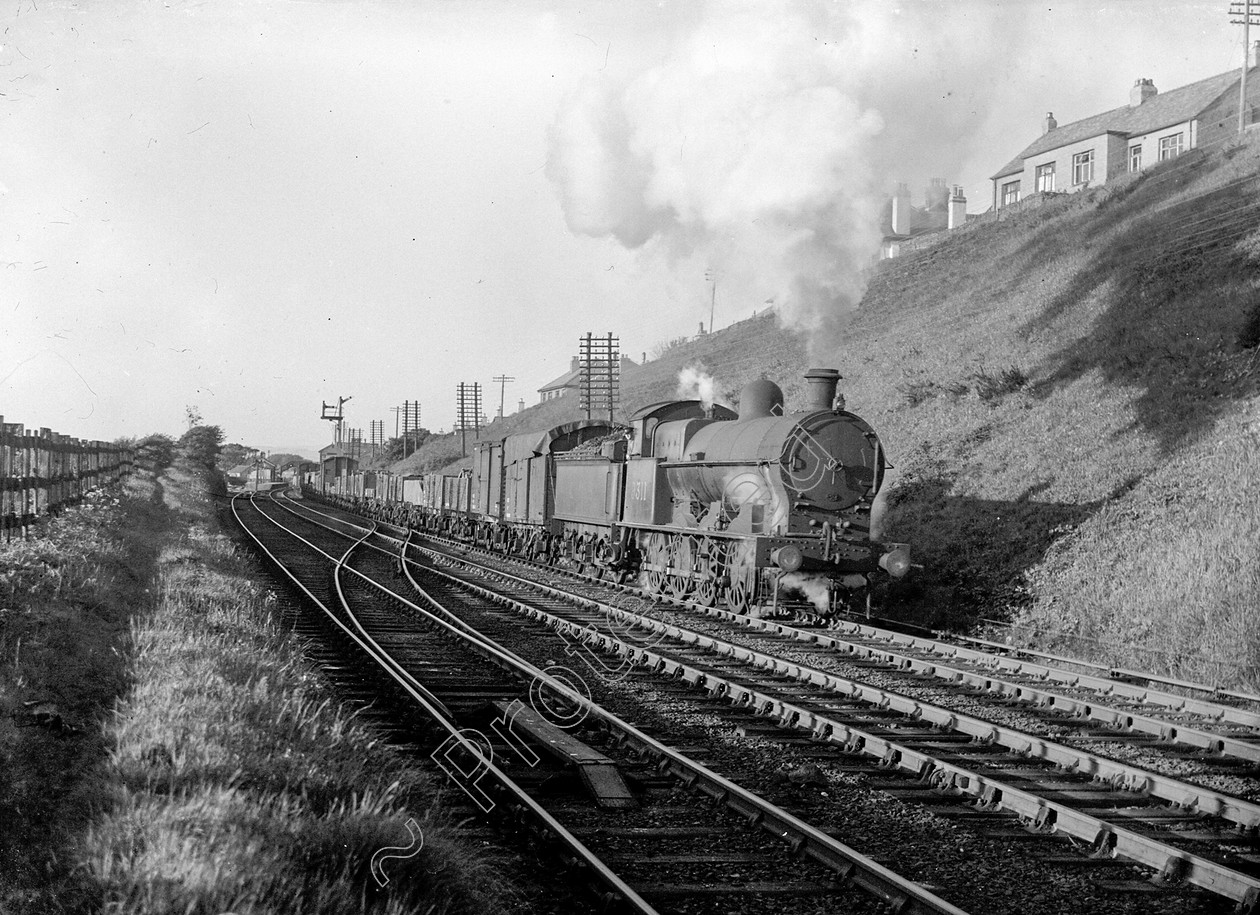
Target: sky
253,208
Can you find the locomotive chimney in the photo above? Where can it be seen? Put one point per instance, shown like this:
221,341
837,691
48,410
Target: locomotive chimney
821,393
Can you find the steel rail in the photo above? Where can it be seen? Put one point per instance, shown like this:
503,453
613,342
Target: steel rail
1000,661
1105,838
1113,671
435,709
1123,775
1096,710
1000,658
904,896
363,639
1093,709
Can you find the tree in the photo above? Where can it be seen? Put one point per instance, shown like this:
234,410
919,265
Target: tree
193,415
393,449
200,446
156,451
233,454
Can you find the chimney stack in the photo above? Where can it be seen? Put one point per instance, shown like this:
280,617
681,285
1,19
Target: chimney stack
935,196
1255,56
1141,91
957,207
901,222
821,391
1049,123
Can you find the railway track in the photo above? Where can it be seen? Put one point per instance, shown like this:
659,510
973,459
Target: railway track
647,827
1186,831
1006,790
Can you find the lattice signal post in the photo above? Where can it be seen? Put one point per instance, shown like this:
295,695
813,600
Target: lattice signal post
599,361
467,411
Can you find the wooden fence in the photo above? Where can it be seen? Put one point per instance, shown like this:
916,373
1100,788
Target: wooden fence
43,472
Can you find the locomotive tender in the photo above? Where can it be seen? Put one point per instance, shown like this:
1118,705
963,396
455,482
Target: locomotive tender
697,501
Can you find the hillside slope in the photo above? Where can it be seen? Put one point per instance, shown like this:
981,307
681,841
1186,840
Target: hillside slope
1070,396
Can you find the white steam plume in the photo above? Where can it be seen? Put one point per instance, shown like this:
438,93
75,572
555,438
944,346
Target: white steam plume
696,384
814,588
766,142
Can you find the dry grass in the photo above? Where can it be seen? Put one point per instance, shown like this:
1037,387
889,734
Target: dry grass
237,785
66,598
1168,578
194,763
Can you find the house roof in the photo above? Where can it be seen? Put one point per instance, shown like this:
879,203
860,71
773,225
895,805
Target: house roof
567,380
248,467
337,449
573,377
1162,110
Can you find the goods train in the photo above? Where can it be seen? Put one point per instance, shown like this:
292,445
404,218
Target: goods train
695,500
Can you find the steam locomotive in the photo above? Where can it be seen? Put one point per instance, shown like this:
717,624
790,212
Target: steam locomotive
695,501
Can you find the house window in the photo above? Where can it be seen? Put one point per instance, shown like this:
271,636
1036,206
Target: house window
1083,167
1170,147
1045,178
1135,158
1010,193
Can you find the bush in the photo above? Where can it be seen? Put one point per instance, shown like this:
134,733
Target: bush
200,446
155,452
994,387
1249,336
914,393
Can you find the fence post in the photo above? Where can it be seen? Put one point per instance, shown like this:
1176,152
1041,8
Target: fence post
41,472
6,473
28,496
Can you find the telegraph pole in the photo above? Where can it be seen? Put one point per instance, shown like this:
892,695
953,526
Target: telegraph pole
409,412
468,407
411,423
711,276
502,381
1243,8
600,382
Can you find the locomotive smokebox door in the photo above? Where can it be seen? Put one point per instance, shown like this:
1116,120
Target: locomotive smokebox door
829,462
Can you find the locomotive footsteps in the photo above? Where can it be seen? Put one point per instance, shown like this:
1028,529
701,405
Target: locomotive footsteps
402,852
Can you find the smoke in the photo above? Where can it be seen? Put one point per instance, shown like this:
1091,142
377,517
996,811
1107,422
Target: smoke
764,145
813,588
696,384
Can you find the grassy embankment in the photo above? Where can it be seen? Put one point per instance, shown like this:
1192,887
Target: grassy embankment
66,599
226,779
1070,397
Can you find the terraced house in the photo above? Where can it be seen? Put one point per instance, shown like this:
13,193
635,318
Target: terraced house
1154,127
